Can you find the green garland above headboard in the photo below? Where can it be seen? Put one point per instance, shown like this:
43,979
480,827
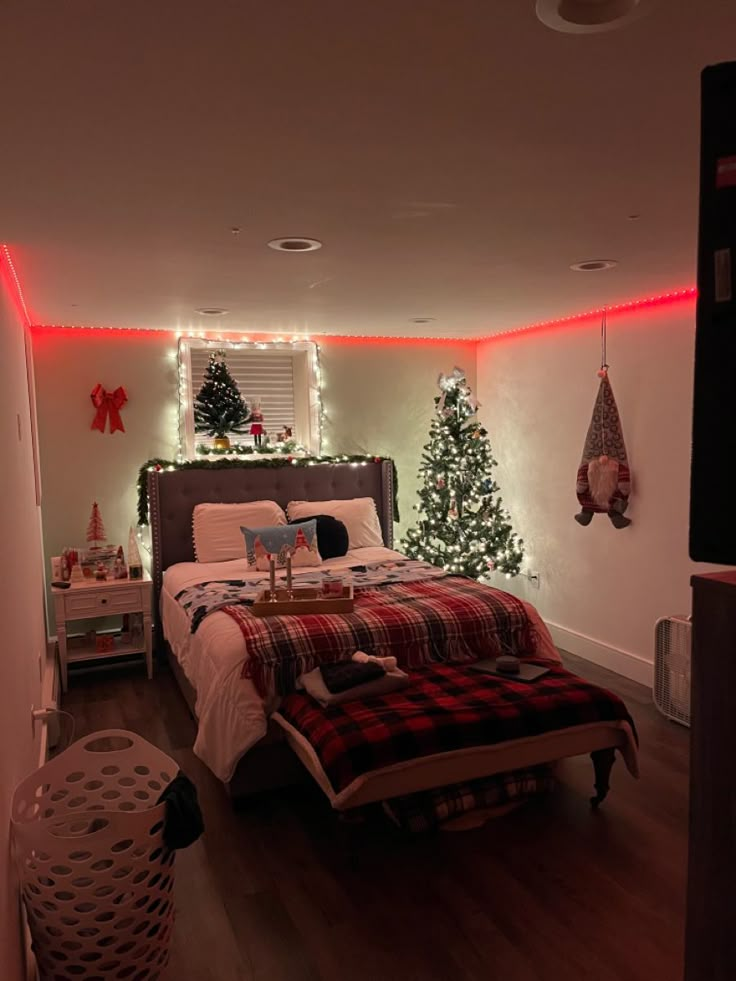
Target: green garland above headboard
273,463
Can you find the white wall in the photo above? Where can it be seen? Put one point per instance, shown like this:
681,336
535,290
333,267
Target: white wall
537,392
377,395
21,613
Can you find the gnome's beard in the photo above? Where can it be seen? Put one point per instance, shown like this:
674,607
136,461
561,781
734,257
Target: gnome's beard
602,480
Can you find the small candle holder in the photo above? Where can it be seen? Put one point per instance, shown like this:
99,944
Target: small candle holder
289,590
332,587
272,578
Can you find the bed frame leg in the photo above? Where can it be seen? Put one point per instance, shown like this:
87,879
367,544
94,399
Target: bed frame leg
603,760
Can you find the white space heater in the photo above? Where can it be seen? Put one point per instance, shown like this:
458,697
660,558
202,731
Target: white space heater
672,653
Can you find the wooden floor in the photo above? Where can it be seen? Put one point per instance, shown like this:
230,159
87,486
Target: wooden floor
284,891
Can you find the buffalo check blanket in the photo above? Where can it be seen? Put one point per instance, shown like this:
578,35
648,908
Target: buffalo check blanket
205,598
429,809
449,619
446,708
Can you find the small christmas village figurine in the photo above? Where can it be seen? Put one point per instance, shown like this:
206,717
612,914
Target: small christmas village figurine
256,423
119,570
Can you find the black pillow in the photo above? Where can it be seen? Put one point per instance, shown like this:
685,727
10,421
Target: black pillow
341,676
332,535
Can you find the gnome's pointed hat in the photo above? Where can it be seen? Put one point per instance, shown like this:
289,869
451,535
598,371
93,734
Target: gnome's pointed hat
604,479
605,436
300,540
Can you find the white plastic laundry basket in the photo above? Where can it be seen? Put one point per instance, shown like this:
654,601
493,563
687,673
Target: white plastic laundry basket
95,874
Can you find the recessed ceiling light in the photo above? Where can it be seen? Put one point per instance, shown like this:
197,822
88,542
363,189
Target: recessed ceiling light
295,244
589,16
422,320
594,265
212,311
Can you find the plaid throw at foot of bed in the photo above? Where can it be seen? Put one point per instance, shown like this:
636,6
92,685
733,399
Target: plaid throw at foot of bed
450,619
446,708
430,809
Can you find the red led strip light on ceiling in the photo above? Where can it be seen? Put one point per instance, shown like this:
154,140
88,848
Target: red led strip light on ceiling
12,284
630,306
15,290
261,338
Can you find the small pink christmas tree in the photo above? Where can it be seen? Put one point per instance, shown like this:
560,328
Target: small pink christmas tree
95,528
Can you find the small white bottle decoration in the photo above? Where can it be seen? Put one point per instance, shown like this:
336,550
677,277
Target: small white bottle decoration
135,566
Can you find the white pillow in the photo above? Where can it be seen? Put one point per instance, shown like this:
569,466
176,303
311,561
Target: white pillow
216,527
358,514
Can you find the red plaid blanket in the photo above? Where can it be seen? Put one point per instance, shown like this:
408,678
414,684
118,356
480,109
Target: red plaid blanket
449,619
429,809
445,708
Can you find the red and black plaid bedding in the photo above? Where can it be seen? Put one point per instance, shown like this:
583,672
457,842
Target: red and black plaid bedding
428,809
451,619
445,708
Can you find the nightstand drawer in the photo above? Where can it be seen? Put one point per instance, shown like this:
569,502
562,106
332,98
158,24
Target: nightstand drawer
99,603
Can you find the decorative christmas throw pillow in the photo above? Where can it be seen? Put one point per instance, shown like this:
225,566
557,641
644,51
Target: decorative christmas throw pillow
299,541
604,479
332,535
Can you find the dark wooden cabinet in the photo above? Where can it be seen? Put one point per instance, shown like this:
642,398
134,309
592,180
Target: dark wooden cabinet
710,942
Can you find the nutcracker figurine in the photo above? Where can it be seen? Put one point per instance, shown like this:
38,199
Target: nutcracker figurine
256,423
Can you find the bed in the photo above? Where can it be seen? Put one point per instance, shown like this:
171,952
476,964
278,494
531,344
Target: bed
236,737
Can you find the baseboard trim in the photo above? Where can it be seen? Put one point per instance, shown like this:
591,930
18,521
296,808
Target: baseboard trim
622,662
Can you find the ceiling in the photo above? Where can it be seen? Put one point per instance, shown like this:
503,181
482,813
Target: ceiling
454,158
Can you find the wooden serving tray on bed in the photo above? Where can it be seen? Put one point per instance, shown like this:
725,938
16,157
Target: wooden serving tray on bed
305,599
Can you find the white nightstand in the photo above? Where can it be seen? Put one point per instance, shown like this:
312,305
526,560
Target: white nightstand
90,599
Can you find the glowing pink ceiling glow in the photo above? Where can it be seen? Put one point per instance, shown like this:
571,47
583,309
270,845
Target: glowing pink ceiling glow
12,284
689,293
14,289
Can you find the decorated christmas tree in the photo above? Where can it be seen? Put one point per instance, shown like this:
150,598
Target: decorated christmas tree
95,527
219,408
463,526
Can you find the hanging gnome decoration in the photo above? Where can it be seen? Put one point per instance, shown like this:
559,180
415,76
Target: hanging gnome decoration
604,479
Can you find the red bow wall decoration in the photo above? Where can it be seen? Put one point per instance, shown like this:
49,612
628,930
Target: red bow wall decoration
108,403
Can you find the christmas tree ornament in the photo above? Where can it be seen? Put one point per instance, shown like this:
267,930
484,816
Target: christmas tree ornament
603,478
447,382
460,522
108,405
219,408
95,528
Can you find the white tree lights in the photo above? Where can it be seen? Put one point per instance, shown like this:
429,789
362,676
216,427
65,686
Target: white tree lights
462,524
304,355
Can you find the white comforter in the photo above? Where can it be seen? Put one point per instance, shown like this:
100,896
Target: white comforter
232,715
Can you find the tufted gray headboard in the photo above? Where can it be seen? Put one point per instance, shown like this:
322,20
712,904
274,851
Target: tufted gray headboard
173,494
